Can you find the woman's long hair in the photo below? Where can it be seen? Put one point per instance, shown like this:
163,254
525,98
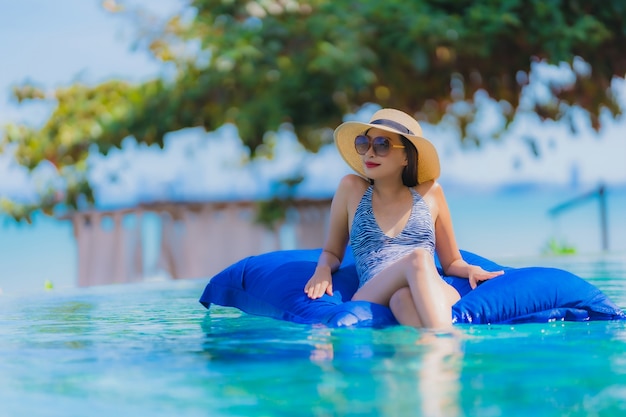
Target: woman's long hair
409,173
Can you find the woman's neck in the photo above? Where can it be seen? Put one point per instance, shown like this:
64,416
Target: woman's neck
389,190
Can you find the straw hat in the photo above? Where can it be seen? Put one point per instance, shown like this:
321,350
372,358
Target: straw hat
394,121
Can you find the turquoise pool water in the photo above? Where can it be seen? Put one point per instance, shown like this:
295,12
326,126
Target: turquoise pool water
151,349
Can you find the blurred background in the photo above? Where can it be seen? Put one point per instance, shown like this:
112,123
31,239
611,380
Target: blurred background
112,106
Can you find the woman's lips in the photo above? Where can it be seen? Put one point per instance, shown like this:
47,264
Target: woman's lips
371,165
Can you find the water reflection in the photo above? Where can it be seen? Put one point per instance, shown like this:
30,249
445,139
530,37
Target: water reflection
323,349
49,323
152,350
439,377
427,366
395,371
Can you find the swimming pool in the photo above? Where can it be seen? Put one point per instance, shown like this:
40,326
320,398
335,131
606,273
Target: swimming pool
152,349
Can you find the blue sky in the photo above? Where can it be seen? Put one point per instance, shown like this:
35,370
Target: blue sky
56,43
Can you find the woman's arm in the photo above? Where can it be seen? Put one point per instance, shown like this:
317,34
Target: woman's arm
447,248
335,245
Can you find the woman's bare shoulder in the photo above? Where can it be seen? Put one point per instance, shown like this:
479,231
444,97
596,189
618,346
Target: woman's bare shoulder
353,183
432,193
428,189
351,189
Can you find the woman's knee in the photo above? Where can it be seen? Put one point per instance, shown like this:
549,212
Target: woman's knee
418,258
403,308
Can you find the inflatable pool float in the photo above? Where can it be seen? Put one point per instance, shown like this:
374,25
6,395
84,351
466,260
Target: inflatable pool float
272,285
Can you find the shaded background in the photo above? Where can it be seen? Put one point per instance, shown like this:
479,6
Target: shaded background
499,193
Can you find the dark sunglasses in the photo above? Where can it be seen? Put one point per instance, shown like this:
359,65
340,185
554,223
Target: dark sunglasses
380,144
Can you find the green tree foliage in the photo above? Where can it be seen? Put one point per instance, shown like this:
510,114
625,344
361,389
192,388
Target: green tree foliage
269,63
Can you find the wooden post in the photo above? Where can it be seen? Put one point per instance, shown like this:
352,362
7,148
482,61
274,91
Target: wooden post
601,194
603,218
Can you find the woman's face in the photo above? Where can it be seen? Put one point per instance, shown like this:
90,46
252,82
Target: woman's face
392,164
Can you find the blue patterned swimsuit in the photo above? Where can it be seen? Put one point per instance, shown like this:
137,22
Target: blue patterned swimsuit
373,250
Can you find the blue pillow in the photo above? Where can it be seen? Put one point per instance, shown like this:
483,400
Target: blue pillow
272,285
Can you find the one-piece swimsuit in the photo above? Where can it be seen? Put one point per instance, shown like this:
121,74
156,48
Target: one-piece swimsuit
373,250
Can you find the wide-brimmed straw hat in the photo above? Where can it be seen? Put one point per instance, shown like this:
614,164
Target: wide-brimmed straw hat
394,121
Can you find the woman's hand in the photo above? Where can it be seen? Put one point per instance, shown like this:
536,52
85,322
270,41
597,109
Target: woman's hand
321,282
476,274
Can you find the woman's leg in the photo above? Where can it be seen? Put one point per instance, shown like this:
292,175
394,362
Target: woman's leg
431,296
403,308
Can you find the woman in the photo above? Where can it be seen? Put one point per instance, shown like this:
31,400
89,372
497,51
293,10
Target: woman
394,215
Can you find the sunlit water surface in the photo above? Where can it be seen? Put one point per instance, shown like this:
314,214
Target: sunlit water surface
151,349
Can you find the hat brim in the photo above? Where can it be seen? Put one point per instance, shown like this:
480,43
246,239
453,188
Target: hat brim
428,167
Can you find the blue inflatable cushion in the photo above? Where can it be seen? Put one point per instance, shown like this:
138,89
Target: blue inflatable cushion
272,285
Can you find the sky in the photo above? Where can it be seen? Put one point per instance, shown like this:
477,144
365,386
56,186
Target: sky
55,43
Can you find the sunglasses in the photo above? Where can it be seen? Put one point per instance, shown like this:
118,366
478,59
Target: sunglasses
380,144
